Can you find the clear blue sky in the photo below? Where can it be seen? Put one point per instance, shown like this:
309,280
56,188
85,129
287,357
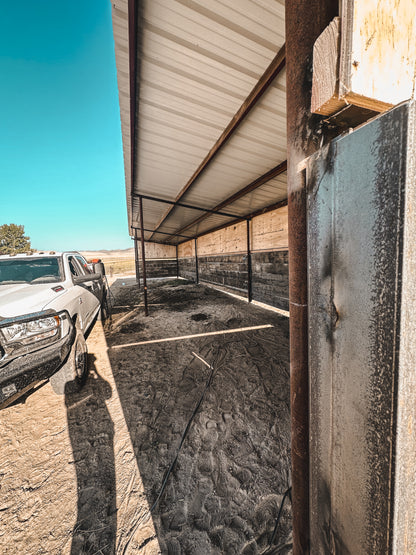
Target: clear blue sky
61,160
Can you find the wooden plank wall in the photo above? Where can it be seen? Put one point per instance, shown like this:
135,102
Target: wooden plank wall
268,232
186,250
230,240
158,251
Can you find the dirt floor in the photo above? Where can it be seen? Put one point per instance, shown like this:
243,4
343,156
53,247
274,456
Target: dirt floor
132,463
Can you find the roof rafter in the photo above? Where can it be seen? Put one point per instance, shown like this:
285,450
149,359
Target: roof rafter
274,172
272,71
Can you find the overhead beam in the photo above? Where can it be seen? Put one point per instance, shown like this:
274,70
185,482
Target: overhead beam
164,233
274,172
191,206
272,71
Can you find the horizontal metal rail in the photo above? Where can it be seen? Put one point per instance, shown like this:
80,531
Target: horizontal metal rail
163,233
191,206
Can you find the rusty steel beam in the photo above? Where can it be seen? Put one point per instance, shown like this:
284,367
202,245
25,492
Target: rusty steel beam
274,172
132,26
146,307
163,233
136,258
272,71
196,261
249,267
305,21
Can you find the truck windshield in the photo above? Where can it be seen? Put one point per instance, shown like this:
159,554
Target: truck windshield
32,270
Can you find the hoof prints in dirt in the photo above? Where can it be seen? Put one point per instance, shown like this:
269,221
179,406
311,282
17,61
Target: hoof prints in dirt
224,492
199,317
133,327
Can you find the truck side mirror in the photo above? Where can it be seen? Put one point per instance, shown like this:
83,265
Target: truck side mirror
78,280
99,268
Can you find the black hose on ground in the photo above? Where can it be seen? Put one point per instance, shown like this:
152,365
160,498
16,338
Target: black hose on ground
185,433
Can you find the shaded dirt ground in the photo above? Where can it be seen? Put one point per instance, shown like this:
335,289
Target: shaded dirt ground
84,474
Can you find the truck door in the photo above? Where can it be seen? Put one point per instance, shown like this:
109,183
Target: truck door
88,301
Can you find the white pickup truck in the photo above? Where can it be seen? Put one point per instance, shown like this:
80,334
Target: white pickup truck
48,301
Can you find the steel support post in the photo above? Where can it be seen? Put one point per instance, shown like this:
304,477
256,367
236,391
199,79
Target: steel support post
136,258
146,308
196,261
249,268
305,20
177,261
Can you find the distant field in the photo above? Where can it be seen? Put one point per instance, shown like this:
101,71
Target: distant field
115,262
118,266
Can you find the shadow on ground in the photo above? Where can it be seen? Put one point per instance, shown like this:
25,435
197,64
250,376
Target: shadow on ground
224,492
91,433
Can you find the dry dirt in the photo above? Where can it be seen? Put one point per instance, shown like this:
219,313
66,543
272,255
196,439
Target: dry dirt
84,474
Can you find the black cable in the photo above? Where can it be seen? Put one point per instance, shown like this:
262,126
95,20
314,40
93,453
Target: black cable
287,493
185,433
110,293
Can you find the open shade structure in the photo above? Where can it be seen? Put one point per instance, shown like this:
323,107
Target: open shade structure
203,111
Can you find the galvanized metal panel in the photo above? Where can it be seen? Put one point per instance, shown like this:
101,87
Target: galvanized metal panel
404,524
356,190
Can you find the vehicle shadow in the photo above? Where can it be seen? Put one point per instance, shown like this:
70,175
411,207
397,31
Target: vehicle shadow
91,432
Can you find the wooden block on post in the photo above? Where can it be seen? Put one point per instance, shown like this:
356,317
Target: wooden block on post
325,84
378,52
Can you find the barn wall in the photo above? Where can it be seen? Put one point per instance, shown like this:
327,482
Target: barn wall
222,258
160,260
157,250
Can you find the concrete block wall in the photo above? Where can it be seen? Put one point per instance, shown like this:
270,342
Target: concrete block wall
270,281
159,268
187,268
227,270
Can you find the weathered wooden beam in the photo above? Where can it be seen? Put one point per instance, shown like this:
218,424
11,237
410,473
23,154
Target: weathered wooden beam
272,71
325,84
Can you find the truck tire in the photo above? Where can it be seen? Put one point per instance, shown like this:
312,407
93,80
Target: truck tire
73,374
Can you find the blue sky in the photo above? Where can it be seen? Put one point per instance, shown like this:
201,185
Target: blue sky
61,160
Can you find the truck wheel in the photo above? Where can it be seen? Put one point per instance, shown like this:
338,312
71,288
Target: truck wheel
73,374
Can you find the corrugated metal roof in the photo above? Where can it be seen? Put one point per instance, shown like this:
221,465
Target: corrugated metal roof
198,63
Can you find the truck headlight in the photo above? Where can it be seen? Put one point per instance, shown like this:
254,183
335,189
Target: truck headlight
28,333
